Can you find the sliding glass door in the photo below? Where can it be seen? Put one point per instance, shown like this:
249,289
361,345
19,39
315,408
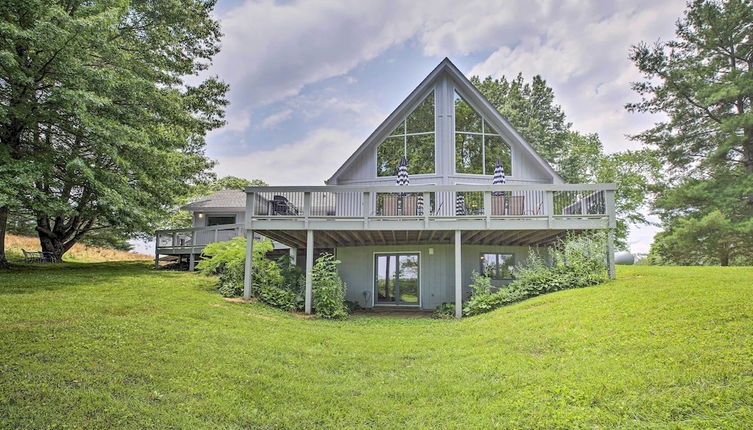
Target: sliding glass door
396,279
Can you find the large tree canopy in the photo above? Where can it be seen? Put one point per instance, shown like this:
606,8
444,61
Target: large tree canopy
577,157
703,84
96,115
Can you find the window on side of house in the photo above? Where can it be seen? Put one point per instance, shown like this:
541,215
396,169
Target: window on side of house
220,220
414,138
477,144
497,265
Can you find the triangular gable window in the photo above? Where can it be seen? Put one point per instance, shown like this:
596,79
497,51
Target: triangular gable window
414,138
477,144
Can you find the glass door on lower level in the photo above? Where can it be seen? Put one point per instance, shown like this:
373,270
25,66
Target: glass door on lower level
396,279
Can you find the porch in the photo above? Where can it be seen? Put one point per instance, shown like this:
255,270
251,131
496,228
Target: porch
457,215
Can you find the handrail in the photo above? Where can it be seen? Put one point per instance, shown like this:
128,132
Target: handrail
431,188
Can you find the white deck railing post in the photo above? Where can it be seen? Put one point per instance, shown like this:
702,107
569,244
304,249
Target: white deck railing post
366,208
306,207
488,207
427,208
549,207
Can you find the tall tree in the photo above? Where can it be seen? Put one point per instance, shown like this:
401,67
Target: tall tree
577,157
702,81
93,97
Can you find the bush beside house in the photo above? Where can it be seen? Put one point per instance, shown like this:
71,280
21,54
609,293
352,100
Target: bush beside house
276,283
577,262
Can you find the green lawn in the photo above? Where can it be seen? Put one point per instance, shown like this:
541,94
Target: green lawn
120,345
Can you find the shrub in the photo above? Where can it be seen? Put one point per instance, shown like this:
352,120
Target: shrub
578,261
328,289
270,279
444,311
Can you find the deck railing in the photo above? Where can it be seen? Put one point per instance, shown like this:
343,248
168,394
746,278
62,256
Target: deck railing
434,202
198,236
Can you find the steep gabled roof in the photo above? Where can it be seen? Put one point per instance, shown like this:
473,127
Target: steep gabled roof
230,199
477,100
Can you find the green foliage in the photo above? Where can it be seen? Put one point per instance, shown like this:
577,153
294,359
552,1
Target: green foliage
577,261
96,112
711,240
276,283
328,289
702,83
444,311
227,260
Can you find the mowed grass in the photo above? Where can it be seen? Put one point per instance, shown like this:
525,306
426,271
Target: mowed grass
118,345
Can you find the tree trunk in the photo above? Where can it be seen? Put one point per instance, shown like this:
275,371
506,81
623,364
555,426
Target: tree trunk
52,245
3,228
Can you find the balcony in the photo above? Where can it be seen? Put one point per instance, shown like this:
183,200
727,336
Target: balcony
348,215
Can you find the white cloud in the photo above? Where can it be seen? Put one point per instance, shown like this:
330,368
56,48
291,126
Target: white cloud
309,161
276,118
584,57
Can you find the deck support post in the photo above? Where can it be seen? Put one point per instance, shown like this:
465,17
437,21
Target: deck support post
309,269
249,264
191,261
458,277
610,253
293,256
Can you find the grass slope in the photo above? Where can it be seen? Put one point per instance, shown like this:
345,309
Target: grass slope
78,253
119,345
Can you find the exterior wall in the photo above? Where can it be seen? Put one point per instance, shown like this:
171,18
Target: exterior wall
436,271
525,169
202,221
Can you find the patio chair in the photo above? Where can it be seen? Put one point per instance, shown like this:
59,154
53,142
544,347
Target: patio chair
410,206
517,205
282,206
498,205
389,205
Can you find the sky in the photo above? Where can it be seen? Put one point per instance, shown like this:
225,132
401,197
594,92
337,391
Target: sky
310,80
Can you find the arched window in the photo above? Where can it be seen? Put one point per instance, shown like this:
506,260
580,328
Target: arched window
477,144
414,138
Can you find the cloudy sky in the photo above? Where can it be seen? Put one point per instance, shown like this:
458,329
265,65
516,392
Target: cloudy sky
310,80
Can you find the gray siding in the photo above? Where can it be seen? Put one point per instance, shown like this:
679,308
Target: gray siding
525,169
436,276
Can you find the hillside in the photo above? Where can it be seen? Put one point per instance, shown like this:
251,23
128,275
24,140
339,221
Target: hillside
118,345
79,253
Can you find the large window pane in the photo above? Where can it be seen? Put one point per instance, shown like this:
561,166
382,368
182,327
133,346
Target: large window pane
506,265
496,148
468,153
386,278
421,120
399,130
466,119
389,154
408,278
420,154
489,265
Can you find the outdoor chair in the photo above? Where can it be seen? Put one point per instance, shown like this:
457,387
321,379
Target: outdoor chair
36,256
410,206
517,205
389,205
282,206
498,205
